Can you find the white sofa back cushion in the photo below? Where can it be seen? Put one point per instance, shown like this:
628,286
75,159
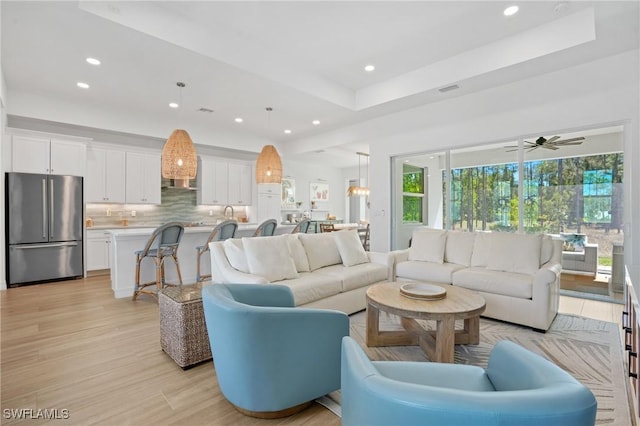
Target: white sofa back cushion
459,247
299,256
234,250
546,251
481,247
321,250
269,257
350,248
428,245
514,252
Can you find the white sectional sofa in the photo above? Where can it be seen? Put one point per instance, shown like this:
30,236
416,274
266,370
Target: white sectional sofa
517,274
327,270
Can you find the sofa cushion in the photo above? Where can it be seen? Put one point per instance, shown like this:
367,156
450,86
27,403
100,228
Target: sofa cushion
428,245
481,247
321,250
234,250
297,252
269,257
356,276
497,282
514,252
427,271
310,286
459,247
546,251
350,248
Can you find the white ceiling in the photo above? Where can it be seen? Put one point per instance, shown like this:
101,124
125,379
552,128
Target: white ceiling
303,58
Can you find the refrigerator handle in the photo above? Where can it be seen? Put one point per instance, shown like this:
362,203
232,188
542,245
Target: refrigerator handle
51,209
44,208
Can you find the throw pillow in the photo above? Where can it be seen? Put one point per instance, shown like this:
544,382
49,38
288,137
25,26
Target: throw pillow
518,253
269,257
234,250
459,247
296,250
321,250
481,247
573,242
350,248
428,245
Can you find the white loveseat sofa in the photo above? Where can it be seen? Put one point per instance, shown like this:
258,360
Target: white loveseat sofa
517,274
327,270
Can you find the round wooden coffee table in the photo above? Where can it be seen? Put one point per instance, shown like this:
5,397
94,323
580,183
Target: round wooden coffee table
438,344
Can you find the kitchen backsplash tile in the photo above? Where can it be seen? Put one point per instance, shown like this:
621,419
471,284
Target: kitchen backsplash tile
177,205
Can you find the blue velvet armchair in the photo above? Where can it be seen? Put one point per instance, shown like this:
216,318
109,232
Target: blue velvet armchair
271,358
518,388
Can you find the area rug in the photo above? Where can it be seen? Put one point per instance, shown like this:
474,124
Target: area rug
588,349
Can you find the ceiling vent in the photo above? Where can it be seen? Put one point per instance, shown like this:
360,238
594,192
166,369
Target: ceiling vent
448,88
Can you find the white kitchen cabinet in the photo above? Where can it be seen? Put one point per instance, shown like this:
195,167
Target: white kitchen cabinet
143,178
268,207
105,179
98,245
240,184
212,181
223,182
31,154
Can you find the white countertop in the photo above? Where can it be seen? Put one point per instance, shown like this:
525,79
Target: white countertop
138,230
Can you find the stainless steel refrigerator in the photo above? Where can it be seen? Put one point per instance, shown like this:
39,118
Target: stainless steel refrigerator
43,229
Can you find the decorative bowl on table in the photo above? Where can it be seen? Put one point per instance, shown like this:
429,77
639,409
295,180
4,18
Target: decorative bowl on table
423,291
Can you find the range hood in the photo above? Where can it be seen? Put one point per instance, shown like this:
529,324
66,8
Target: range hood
186,184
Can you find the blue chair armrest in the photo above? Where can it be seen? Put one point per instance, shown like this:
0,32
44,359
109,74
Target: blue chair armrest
259,295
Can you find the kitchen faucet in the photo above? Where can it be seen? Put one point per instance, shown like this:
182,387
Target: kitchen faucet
225,210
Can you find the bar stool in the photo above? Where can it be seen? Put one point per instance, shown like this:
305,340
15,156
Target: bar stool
163,243
327,227
221,232
266,228
302,227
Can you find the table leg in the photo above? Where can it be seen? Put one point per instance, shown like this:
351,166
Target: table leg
472,329
445,339
373,325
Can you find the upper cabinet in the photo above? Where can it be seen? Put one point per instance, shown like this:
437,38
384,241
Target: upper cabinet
223,182
105,179
143,178
240,184
32,154
212,181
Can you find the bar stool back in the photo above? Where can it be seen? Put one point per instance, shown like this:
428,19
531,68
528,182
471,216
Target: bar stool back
302,227
221,232
163,243
266,228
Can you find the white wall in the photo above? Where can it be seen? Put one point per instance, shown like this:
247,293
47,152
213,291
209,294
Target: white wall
597,94
304,174
3,160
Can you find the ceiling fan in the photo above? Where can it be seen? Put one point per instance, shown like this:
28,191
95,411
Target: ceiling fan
552,143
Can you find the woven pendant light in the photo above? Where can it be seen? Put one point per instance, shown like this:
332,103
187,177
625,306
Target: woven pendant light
179,160
357,190
268,166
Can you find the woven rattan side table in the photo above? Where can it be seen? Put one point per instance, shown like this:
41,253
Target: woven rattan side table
183,332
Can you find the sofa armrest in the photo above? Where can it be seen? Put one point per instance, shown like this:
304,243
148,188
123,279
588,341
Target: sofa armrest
546,280
400,255
385,259
223,273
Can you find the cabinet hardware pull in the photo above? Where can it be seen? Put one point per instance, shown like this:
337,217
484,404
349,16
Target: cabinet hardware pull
627,347
625,314
628,330
635,355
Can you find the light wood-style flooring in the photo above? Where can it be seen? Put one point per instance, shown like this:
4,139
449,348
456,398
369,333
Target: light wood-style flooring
71,345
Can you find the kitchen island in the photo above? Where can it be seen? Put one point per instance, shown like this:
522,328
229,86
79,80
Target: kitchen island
125,242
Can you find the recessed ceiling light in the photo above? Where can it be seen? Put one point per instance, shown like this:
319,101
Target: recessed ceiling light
511,10
174,105
93,61
315,122
238,120
287,131
82,85
369,68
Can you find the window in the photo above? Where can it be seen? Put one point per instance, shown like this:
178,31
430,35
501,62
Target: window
412,193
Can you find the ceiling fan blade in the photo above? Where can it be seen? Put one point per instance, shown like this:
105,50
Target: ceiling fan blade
510,150
549,147
531,143
573,140
553,139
